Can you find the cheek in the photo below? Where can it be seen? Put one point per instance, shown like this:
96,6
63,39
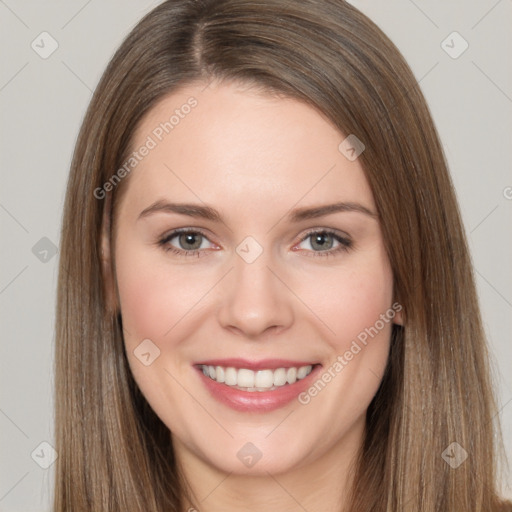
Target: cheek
154,297
350,300
353,304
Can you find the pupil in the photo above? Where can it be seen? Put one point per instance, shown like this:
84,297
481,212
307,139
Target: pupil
320,240
189,239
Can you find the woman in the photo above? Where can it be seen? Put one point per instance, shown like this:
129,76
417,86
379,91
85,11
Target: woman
266,373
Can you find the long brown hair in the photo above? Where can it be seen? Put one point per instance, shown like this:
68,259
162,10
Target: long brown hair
114,452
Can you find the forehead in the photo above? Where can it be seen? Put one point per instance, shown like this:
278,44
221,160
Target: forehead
230,145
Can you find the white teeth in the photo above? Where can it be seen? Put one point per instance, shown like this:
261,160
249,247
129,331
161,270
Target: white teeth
264,379
260,380
303,371
230,376
280,377
291,375
220,374
245,378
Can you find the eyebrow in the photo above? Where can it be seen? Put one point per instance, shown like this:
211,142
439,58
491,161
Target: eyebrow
297,215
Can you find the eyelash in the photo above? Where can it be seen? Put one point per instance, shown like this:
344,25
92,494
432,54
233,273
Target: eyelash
345,243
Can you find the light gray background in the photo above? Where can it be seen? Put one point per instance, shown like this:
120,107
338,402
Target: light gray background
42,102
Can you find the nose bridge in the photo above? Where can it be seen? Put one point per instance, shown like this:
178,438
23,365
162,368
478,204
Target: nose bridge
255,298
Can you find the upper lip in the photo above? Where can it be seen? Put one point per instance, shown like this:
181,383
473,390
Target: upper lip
263,364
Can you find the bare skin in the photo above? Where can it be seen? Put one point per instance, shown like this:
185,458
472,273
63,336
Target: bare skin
254,158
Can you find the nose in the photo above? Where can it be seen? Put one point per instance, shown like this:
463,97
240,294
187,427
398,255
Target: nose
255,299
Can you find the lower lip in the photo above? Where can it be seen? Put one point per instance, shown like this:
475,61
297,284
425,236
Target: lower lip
257,401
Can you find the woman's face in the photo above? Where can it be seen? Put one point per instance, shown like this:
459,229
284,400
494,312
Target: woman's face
289,306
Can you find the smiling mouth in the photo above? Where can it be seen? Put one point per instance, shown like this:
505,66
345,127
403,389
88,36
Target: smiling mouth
245,379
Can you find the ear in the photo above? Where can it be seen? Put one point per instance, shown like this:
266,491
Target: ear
398,319
107,263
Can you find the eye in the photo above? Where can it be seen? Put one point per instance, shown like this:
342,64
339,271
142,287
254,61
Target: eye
190,242
324,240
